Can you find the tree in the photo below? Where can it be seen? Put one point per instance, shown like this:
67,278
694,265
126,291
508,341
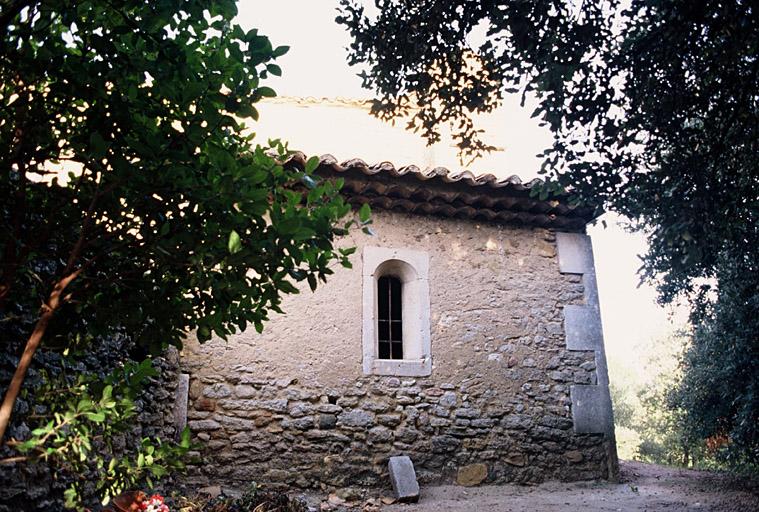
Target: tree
719,391
170,219
654,110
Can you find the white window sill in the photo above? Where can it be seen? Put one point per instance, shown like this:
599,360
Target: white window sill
402,367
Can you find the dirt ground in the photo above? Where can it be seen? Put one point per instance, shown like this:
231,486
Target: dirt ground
644,487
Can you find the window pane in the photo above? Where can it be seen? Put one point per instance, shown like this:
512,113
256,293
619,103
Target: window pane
384,350
395,298
389,313
383,297
396,331
384,331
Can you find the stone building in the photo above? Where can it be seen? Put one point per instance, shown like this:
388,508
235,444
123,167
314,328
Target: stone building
467,335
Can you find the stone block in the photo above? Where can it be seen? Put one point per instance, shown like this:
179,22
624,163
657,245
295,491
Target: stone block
591,410
277,405
181,395
406,434
471,475
245,391
299,410
546,250
356,418
444,444
516,421
448,399
575,253
403,479
202,425
582,325
305,423
466,413
204,404
329,408
327,421
380,435
218,390
390,420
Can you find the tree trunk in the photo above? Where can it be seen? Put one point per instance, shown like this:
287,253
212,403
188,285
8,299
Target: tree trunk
32,344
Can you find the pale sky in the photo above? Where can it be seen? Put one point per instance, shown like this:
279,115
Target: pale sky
316,67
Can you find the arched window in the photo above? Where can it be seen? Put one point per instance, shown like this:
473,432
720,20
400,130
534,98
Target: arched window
389,318
396,312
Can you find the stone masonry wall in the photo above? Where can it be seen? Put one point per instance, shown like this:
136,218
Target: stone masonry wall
292,406
35,486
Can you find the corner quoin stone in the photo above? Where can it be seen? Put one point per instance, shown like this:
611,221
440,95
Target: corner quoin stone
575,253
583,328
181,395
403,478
591,408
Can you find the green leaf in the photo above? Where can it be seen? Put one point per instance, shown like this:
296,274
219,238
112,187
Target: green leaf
84,404
274,69
234,244
311,164
185,438
266,92
98,146
97,417
287,287
303,233
288,227
248,110
364,213
280,50
204,333
71,496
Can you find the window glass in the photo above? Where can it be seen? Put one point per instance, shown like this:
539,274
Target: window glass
389,318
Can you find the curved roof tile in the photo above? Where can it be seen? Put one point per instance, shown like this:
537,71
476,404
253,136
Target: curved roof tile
439,191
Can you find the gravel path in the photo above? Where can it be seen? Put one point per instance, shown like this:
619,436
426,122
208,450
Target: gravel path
644,487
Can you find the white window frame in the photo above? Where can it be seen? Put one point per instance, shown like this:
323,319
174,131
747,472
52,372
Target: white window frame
412,268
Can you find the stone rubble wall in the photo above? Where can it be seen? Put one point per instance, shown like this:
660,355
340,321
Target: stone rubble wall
281,432
34,486
292,406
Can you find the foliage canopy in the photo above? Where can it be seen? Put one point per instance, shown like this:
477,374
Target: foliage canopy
132,199
172,218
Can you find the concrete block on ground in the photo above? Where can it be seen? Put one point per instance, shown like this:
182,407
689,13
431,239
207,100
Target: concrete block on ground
403,478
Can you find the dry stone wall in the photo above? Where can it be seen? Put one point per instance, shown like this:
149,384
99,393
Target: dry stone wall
292,405
37,487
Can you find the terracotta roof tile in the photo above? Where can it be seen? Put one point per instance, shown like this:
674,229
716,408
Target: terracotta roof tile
439,191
